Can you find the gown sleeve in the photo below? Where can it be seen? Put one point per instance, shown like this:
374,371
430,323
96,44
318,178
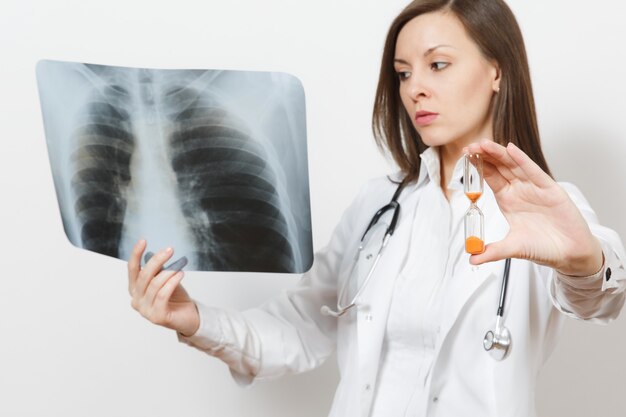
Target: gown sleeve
287,334
598,297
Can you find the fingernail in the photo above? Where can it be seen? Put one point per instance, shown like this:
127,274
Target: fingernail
168,250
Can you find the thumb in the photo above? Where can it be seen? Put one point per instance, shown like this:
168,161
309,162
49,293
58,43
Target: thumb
495,251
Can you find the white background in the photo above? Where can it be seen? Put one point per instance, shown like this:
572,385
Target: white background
70,345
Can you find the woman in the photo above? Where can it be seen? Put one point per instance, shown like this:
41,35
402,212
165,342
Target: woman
452,72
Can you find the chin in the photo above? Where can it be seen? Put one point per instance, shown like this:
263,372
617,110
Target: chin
429,139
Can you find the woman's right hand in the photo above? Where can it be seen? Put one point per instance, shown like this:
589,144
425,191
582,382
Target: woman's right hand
157,294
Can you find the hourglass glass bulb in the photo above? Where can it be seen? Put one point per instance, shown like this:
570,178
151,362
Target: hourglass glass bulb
474,235
473,176
473,188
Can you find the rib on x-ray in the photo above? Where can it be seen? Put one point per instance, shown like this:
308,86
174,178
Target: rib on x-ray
210,162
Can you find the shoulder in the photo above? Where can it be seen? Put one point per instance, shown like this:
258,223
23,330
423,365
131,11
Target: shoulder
382,183
377,190
373,194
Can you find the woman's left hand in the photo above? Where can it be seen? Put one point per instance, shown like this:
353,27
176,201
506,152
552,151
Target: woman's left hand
546,227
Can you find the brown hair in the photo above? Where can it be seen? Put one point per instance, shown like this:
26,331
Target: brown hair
492,26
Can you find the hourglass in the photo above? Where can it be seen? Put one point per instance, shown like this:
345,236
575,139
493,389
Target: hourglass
474,219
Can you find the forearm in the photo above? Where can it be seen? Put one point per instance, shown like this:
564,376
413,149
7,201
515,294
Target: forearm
281,337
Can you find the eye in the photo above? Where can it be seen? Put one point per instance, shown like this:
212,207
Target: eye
438,66
403,75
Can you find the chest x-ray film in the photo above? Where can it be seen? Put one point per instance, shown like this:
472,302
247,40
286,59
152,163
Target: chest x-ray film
212,163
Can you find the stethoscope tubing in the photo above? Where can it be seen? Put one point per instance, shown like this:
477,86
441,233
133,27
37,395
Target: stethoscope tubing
341,310
497,342
505,284
393,205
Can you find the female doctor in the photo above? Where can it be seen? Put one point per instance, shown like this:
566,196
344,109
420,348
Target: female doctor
454,79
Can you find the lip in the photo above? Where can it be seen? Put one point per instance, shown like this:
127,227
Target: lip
424,117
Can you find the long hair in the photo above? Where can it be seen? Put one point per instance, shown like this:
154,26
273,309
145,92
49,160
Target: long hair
493,27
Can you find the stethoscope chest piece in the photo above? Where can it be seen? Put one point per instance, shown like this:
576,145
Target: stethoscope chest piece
498,343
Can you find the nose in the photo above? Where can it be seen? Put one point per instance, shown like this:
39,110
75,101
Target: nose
416,88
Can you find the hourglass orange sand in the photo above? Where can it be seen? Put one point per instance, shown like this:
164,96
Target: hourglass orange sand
474,219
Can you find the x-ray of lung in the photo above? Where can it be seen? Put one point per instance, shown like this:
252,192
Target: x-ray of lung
211,162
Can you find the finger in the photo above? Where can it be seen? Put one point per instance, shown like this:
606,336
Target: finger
151,269
156,283
166,291
495,251
155,286
504,169
496,180
499,156
177,265
532,171
134,264
490,150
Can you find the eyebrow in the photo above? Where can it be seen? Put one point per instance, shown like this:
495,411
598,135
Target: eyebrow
428,52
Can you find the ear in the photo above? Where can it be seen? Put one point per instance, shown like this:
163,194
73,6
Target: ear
496,75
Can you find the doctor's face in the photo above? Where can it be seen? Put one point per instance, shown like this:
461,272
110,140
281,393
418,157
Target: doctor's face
446,85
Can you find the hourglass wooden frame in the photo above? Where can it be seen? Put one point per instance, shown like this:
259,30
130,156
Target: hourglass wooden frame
474,218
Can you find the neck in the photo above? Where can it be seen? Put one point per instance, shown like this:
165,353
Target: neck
448,156
450,153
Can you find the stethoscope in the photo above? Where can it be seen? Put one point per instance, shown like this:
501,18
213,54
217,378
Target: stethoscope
496,342
394,207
